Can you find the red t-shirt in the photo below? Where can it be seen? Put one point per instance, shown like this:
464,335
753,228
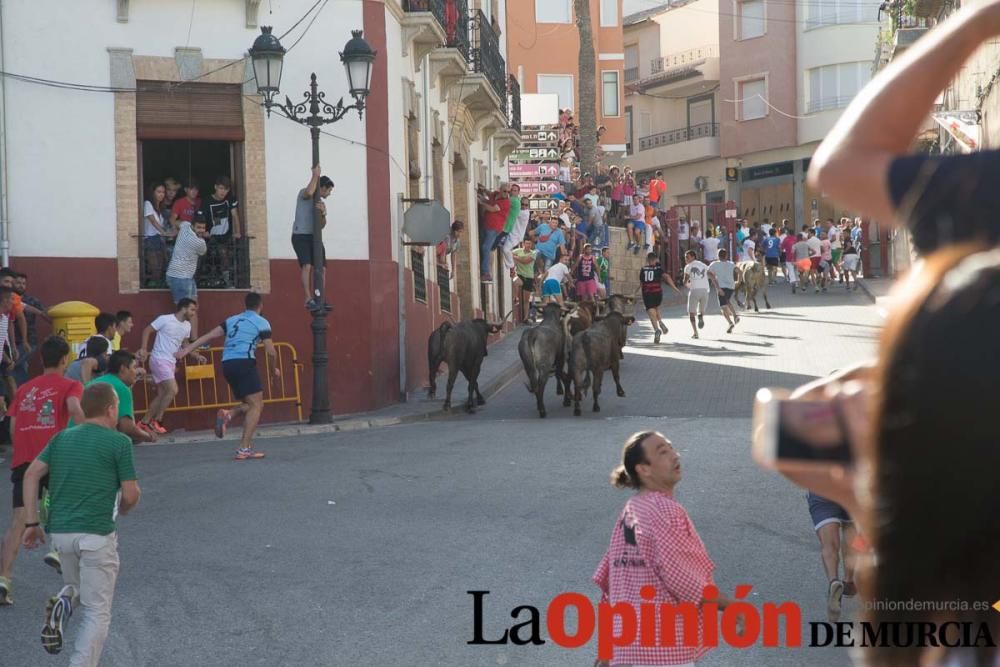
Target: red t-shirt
786,247
39,410
496,221
185,209
657,188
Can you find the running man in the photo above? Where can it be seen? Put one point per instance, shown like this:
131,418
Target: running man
850,265
836,532
239,366
524,259
585,274
696,279
787,249
652,277
722,273
772,255
88,465
41,408
172,332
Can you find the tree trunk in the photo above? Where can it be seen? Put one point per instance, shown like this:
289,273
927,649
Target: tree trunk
586,113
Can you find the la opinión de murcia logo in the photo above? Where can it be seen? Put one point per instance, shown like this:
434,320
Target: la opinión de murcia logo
740,625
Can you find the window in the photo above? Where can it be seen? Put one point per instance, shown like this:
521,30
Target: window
834,86
701,113
631,63
419,277
552,11
750,19
751,96
444,286
821,13
609,13
559,84
609,95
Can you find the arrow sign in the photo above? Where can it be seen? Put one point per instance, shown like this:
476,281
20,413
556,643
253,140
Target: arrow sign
536,155
540,187
546,171
542,136
543,204
996,605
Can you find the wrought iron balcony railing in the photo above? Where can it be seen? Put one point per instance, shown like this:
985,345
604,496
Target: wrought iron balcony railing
515,102
683,59
486,58
680,135
451,15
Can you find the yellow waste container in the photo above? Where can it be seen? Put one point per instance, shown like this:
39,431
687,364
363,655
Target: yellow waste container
74,321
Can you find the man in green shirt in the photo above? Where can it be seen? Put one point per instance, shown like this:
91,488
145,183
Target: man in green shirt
121,375
88,465
603,272
524,264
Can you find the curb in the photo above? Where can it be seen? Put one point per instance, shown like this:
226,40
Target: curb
864,288
490,390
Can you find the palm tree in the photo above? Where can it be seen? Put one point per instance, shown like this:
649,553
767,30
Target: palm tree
586,114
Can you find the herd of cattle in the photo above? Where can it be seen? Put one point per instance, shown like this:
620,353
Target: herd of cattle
575,342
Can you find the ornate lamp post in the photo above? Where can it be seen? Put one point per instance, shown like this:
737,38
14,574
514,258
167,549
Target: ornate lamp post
314,111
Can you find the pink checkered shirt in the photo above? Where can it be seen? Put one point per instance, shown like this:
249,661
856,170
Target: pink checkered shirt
654,543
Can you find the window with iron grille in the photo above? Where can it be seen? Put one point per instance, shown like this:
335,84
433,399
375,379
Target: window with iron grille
419,277
444,287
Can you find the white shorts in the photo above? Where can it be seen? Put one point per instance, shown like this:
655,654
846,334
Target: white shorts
697,297
851,262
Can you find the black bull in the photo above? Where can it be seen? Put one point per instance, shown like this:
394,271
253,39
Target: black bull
542,349
594,351
462,346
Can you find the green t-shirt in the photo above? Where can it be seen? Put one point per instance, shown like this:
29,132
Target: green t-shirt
124,394
602,269
87,465
515,210
525,270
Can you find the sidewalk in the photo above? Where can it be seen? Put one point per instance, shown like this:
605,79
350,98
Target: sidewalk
877,289
501,366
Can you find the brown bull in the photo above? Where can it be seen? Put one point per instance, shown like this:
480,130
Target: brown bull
594,351
463,349
751,280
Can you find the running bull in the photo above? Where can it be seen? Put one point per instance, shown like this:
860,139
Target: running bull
462,347
594,351
543,349
751,280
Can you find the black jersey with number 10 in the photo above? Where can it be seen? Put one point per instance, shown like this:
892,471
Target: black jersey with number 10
651,278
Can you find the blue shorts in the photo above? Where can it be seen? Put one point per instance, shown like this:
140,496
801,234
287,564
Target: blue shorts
182,288
825,511
242,376
640,225
551,287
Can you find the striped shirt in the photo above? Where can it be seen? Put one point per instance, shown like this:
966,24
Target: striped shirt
4,326
187,249
87,465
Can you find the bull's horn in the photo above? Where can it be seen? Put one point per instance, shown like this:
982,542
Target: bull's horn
506,316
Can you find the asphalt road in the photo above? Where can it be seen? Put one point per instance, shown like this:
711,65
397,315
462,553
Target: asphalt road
359,548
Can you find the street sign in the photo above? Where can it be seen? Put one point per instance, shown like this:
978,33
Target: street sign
540,137
541,171
536,155
540,187
543,204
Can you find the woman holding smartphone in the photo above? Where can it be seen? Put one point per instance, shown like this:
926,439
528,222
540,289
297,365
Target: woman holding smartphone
922,485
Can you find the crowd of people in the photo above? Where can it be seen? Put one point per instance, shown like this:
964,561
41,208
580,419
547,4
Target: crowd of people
173,222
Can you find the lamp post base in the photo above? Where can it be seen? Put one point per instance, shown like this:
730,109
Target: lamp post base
320,412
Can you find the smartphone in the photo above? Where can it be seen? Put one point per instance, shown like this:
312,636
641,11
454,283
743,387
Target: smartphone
786,431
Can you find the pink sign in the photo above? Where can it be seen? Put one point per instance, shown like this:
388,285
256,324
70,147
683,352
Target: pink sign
540,187
543,171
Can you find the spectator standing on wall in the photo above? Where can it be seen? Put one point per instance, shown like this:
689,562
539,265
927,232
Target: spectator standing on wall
189,247
302,234
154,248
658,192
496,205
222,214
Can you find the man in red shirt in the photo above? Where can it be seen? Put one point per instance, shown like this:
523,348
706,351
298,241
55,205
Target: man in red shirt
497,206
41,408
184,208
787,245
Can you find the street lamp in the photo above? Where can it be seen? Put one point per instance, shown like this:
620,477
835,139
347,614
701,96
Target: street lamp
314,111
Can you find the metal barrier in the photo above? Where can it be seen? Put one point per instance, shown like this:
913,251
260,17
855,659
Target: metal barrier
203,386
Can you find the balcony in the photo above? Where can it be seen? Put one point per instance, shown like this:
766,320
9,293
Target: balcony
631,74
686,144
486,58
449,57
906,30
681,73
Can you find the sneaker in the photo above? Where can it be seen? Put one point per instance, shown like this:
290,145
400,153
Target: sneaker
663,327
246,453
631,244
311,305
701,322
694,335
656,337
635,250
850,589
5,587
222,419
486,278
833,600
730,329
737,319
57,612
157,427
145,427
52,560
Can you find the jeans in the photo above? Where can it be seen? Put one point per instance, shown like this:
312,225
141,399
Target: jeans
599,237
20,370
182,288
90,569
486,251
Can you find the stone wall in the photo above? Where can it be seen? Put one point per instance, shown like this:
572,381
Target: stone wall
624,265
